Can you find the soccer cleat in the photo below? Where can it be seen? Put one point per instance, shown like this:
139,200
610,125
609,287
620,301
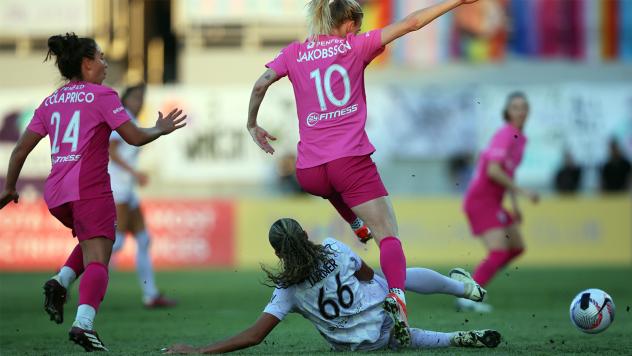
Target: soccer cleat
363,234
473,291
88,339
476,338
54,299
466,305
160,302
396,309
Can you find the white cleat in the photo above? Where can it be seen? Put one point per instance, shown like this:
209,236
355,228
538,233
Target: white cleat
473,291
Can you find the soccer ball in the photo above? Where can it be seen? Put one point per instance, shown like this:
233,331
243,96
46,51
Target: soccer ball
592,311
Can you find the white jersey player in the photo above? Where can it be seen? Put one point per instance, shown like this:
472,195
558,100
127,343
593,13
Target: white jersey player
124,177
336,291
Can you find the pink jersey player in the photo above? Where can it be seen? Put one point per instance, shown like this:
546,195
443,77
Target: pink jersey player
334,152
79,118
483,203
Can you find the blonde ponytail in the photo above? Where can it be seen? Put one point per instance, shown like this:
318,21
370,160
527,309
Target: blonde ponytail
319,20
325,15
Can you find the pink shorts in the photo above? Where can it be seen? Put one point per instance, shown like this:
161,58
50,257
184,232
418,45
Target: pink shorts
88,218
355,179
485,216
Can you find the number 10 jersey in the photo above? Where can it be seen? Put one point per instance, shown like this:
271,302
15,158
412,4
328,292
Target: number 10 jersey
347,312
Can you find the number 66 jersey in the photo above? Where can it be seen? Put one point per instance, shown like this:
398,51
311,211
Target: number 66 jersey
347,312
79,118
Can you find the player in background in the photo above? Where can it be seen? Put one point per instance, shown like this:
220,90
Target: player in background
335,290
125,176
498,229
334,152
79,118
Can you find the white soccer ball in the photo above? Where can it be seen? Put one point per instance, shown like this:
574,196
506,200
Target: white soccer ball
592,311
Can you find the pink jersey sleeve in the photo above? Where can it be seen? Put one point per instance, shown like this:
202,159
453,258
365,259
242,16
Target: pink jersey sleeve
500,145
279,64
110,106
37,124
369,45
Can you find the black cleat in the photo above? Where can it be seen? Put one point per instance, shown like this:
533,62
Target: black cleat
88,339
54,299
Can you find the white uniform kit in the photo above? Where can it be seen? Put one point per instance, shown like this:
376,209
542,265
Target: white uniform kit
347,312
123,182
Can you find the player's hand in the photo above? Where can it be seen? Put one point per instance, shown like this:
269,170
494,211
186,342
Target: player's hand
468,1
7,196
517,216
180,349
261,136
532,196
141,178
173,121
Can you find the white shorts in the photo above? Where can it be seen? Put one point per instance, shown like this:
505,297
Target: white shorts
125,193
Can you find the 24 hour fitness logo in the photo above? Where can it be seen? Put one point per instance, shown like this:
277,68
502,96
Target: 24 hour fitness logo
315,118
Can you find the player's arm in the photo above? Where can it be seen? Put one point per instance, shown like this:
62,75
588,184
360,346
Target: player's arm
419,19
259,135
498,175
23,148
365,273
138,136
252,336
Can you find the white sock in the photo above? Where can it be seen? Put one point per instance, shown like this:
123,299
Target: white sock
429,339
65,277
427,281
357,223
399,293
119,242
85,317
144,267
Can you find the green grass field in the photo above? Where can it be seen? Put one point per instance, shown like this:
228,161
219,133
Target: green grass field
531,313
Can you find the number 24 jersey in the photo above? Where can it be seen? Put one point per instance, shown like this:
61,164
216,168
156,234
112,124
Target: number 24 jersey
345,311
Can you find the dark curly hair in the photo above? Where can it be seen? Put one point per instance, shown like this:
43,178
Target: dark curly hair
298,256
69,51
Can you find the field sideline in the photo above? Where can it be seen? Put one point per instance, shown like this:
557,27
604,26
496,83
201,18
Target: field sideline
531,313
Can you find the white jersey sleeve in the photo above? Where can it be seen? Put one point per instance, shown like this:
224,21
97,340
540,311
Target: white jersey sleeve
281,303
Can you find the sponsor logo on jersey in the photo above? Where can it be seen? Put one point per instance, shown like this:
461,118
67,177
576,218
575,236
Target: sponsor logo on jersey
118,110
68,158
315,118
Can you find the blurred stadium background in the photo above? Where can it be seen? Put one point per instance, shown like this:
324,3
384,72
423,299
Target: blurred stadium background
435,98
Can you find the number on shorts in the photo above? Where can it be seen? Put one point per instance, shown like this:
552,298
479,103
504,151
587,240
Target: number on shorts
342,291
327,87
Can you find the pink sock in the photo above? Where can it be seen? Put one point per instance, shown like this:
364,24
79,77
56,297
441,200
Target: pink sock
93,284
486,270
516,252
75,260
393,262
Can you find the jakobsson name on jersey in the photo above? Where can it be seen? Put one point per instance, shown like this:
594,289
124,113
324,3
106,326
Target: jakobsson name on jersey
322,53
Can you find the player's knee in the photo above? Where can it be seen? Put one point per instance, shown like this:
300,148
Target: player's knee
142,239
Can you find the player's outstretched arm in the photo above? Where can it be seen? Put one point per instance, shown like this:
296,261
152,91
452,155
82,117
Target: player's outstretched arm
419,19
23,148
137,136
259,135
496,173
252,336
